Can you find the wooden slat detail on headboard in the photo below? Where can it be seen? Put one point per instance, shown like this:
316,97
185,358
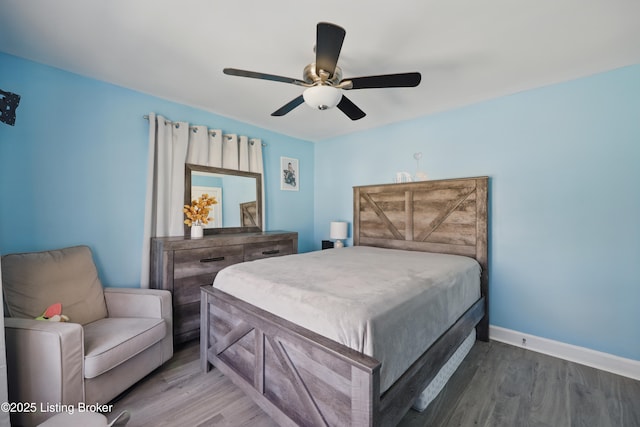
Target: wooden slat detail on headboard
444,216
248,212
378,209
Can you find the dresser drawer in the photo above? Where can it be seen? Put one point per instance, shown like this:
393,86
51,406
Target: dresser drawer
198,262
186,290
255,251
193,268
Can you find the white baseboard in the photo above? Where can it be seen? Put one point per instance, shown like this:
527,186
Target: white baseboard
584,356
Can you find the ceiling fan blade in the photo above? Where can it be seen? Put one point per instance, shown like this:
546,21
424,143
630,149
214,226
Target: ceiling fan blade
263,76
350,109
386,80
329,38
288,107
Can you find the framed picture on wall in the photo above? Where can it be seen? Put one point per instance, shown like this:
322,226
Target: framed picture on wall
289,174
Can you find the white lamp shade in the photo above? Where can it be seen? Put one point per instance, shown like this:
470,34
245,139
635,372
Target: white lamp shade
322,97
338,230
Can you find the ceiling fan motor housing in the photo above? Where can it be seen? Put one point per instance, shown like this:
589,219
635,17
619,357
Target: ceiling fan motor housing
314,77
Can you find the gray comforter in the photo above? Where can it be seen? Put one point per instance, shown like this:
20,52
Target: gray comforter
386,303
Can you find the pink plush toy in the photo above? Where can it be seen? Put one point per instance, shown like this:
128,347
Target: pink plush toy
53,313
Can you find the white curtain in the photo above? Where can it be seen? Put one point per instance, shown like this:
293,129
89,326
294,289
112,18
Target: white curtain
171,145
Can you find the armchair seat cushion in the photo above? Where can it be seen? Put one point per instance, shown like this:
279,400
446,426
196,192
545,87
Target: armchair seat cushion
109,342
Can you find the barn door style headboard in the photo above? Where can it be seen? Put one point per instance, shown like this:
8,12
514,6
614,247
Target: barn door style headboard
444,216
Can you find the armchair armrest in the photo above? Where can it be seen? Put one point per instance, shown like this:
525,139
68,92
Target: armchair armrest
136,302
44,361
150,303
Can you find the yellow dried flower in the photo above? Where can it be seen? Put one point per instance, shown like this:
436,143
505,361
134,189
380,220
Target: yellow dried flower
198,212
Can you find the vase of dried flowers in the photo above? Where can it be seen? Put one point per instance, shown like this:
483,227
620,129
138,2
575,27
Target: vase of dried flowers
197,214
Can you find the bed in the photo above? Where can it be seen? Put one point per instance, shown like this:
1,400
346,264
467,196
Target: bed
302,373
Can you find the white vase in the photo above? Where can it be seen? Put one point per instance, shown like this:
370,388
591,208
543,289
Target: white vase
196,231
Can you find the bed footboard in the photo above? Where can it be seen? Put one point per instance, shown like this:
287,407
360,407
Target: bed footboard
301,378
296,376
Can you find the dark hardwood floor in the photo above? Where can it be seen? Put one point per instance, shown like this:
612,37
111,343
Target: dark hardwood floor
496,385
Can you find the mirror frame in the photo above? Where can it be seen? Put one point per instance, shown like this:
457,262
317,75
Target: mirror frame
189,168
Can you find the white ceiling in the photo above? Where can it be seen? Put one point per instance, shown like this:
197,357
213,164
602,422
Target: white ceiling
466,50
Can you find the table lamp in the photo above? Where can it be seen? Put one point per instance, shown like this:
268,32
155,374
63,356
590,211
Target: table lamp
338,232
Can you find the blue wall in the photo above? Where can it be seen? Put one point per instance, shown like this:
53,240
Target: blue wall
564,167
73,168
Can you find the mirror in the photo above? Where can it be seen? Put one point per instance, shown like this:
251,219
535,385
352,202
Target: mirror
238,193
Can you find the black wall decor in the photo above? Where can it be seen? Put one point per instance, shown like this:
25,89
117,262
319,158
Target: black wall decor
8,104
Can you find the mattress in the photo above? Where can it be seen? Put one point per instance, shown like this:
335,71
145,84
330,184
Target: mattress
389,304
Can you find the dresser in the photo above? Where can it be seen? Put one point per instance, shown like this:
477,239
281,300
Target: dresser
181,265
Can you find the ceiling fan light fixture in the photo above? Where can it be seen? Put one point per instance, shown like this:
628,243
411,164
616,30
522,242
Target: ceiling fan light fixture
322,97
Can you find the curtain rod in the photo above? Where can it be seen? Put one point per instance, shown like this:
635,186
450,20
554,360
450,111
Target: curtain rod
146,117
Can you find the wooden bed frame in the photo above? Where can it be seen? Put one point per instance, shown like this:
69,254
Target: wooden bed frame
301,378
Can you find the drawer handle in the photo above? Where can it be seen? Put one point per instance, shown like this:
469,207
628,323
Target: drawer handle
271,252
218,258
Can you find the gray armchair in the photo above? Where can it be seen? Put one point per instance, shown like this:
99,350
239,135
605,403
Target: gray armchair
114,338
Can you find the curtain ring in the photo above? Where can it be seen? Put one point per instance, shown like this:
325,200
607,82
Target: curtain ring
195,130
213,133
177,125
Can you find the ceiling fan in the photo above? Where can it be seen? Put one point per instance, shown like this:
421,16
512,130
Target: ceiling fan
323,78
